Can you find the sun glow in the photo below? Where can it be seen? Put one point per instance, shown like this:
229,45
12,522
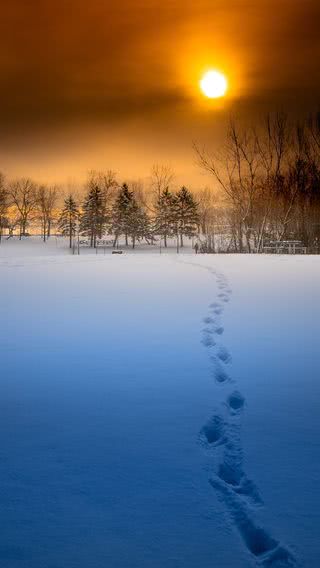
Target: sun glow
214,85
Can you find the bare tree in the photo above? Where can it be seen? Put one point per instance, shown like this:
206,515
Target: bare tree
313,126
209,209
46,201
4,205
274,145
52,199
106,181
236,170
12,222
260,172
23,193
162,177
138,188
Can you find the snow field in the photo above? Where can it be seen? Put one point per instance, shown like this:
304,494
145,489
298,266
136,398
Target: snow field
158,410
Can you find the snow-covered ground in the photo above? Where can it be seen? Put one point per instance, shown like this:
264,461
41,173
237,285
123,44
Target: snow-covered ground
158,411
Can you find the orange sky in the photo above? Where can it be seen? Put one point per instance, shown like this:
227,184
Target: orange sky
105,84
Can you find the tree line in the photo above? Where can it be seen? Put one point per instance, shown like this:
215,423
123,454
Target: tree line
23,200
107,208
124,215
265,187
269,182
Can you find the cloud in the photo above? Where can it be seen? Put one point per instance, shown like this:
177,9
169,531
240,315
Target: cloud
68,62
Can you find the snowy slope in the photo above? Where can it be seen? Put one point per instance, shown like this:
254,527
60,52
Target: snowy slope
158,411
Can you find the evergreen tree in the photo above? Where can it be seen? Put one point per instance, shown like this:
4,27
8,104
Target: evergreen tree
94,218
164,222
68,219
186,214
139,224
121,213
129,218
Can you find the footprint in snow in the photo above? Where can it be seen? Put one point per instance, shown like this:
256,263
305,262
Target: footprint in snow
222,295
208,340
208,320
225,299
219,374
235,489
235,402
218,311
231,474
207,331
213,432
224,355
259,542
219,330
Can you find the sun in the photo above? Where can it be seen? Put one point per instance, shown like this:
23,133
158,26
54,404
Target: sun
214,84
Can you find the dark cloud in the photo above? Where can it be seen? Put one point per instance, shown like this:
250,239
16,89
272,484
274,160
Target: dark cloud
63,62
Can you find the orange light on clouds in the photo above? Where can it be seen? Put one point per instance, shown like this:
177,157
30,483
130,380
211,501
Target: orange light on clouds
211,74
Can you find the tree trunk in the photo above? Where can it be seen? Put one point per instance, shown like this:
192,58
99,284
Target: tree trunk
70,232
248,238
44,229
240,238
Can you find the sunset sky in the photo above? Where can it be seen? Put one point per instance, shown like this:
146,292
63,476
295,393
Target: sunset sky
115,85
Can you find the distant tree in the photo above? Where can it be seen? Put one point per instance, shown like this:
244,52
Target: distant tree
210,212
23,193
46,200
4,205
122,213
252,169
186,214
94,218
161,179
106,181
52,197
69,216
12,222
139,224
164,220
129,217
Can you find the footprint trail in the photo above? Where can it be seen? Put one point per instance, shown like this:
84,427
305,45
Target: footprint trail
221,437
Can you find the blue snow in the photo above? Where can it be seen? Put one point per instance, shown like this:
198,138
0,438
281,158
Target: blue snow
112,425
